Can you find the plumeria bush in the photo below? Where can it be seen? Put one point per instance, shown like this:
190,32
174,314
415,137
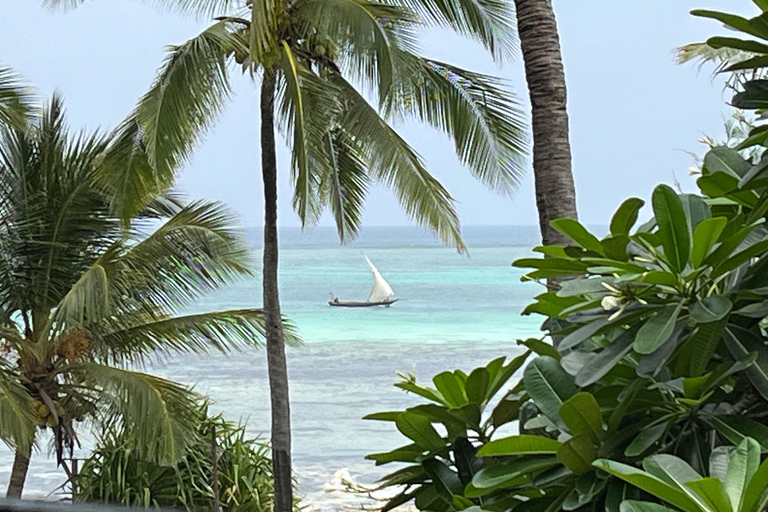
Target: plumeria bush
649,389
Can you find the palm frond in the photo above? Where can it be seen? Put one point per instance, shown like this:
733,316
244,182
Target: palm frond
195,252
55,221
18,419
307,107
153,409
187,95
367,34
133,337
16,100
263,45
392,162
477,111
347,183
201,8
490,22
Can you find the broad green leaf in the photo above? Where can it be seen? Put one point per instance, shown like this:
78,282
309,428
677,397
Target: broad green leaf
581,415
606,359
645,439
696,211
383,416
756,495
498,476
737,428
704,238
430,394
577,454
615,247
746,46
549,385
578,233
727,160
408,453
675,472
477,385
740,258
740,343
584,332
652,364
750,27
502,373
445,480
657,329
451,388
706,339
742,467
730,242
466,459
505,412
519,444
626,216
673,227
712,491
643,506
420,430
710,309
755,94
649,483
575,287
541,348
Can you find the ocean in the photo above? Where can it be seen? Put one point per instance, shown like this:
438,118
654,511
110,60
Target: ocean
455,311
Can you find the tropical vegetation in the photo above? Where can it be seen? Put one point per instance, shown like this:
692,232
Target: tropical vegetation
649,390
116,472
318,62
86,298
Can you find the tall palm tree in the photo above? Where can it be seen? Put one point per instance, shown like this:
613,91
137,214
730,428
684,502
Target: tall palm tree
82,296
540,44
307,55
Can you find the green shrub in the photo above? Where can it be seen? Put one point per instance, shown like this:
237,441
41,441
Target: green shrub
117,473
655,354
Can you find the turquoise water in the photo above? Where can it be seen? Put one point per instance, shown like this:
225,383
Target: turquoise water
455,311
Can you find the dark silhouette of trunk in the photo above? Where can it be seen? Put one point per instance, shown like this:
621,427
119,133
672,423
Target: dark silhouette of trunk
276,360
19,472
555,193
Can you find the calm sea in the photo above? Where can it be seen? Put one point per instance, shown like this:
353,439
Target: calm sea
455,311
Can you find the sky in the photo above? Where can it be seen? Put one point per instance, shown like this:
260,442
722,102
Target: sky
634,113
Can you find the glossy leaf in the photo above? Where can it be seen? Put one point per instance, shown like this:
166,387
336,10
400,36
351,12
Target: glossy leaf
737,428
606,359
420,430
549,385
657,329
673,228
519,444
704,238
743,465
577,454
712,491
581,415
645,439
578,233
626,216
710,309
451,388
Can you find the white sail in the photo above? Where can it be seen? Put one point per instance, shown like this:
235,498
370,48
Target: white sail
381,289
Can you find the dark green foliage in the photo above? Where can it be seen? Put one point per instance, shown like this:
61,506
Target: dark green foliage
117,473
655,356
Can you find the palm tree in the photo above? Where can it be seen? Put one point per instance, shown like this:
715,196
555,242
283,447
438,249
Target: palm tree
83,296
555,192
307,55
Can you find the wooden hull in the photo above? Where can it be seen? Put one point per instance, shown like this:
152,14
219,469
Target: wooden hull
340,304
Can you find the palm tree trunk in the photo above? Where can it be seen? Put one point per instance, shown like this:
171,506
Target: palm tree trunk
555,193
276,360
19,472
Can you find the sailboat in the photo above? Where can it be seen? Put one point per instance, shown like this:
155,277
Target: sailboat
381,293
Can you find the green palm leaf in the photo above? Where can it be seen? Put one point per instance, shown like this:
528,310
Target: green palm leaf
188,93
491,22
477,111
15,100
18,420
392,162
155,410
348,183
132,337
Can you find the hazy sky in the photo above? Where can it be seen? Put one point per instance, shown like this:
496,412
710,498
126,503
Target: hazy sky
633,111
